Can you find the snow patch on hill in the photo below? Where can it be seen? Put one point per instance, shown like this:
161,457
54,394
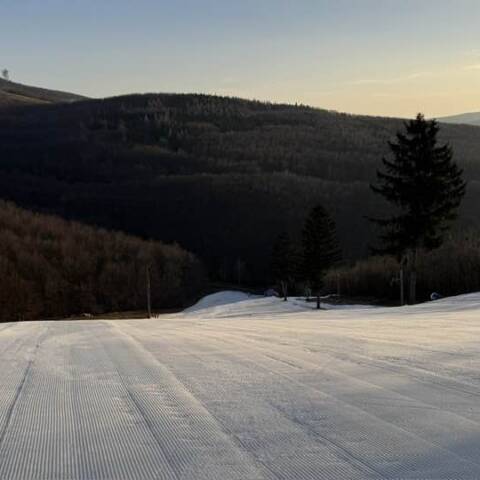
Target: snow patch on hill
232,304
219,299
239,304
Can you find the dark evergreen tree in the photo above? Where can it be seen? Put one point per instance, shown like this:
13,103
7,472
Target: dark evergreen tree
320,248
283,263
426,187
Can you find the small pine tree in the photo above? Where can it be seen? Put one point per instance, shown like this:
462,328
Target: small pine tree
320,248
282,264
425,186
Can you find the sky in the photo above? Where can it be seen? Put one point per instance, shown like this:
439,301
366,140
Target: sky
376,57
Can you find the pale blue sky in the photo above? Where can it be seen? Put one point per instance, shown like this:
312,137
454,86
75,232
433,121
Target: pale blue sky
386,57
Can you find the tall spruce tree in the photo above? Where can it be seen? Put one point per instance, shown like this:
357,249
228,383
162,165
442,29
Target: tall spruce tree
283,263
426,188
320,248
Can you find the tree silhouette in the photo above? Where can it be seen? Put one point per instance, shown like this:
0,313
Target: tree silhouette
283,263
425,186
320,248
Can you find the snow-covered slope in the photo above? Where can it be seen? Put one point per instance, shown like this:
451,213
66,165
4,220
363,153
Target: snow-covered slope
219,299
238,304
255,388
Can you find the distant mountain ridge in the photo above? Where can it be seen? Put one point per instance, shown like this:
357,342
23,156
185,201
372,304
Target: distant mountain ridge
220,176
472,118
12,94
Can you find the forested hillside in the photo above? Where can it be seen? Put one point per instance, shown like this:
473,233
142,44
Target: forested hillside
53,268
12,93
220,176
464,118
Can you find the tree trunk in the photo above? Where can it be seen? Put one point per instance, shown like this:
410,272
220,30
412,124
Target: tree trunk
318,301
413,278
149,302
402,287
413,287
284,286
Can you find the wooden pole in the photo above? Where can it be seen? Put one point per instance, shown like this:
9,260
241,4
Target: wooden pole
402,288
413,287
413,278
149,300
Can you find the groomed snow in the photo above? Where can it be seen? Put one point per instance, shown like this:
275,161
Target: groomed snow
243,388
219,299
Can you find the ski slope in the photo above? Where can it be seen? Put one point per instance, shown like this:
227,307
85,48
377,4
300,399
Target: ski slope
245,388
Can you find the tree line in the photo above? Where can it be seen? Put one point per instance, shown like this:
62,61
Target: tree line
207,172
53,268
451,269
425,186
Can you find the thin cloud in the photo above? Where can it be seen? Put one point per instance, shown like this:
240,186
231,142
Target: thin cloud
410,97
389,81
472,53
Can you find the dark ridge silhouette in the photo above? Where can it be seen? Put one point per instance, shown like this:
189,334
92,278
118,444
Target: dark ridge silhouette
463,118
221,176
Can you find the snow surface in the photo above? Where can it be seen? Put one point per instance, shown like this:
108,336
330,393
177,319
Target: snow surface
220,299
249,388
